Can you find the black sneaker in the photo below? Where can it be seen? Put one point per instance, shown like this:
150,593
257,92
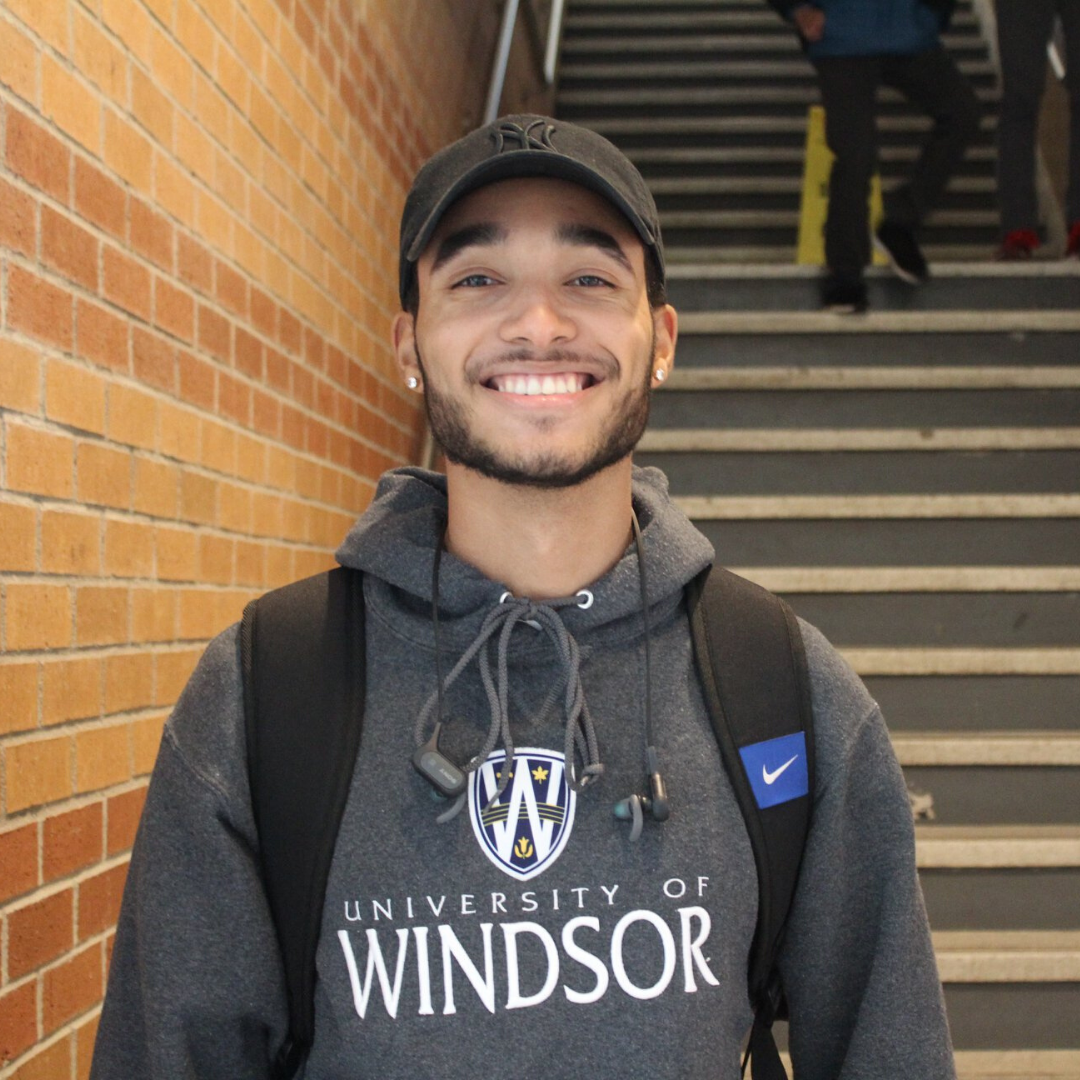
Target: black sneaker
843,295
907,261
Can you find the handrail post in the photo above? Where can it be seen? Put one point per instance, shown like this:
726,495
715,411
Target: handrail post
502,59
554,34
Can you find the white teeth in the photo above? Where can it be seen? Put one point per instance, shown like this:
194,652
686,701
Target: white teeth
548,386
529,385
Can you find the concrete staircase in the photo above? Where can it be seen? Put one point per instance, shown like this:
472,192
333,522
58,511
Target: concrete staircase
909,480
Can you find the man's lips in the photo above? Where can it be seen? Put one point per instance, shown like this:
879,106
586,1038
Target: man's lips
530,384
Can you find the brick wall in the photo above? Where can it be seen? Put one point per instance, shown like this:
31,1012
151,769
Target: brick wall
198,215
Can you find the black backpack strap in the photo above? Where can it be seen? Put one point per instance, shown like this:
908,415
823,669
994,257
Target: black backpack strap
302,651
752,664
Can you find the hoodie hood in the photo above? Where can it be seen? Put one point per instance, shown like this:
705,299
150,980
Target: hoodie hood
394,543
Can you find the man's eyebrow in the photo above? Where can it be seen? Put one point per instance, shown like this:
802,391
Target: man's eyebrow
588,236
485,232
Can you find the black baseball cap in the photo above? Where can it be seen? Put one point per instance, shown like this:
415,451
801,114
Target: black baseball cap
519,146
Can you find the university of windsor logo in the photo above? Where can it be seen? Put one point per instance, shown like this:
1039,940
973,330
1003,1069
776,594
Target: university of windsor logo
526,829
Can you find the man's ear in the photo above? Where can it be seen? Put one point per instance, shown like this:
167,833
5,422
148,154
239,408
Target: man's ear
403,334
666,323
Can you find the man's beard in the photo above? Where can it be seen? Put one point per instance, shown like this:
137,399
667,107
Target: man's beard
449,427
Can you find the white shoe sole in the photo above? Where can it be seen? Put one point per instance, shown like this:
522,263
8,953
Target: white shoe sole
904,275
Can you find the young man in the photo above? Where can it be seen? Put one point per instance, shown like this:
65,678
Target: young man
857,46
528,935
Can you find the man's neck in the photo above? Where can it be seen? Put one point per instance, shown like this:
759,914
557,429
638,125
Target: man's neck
540,543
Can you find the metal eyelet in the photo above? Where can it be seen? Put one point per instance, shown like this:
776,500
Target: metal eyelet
587,602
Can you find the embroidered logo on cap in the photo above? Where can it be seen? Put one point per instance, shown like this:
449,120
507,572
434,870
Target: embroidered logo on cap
777,769
511,136
526,829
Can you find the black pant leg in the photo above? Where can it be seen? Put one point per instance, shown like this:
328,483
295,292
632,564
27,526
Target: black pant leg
932,82
848,90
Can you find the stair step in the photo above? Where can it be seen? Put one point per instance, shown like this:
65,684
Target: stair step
659,19
1018,1064
844,507
644,156
789,219
745,125
872,378
778,185
762,440
785,253
1019,748
738,71
929,661
779,44
685,98
954,847
880,322
913,579
1008,956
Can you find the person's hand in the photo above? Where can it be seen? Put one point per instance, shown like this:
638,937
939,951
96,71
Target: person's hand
810,21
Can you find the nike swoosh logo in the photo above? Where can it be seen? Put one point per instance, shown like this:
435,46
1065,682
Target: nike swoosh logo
771,777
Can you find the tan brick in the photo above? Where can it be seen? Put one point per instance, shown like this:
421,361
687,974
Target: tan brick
99,59
153,615
178,432
157,487
52,1063
75,395
218,447
19,858
37,616
174,668
37,772
174,310
47,18
38,156
198,614
251,563
101,337
71,690
177,554
145,741
19,692
123,812
72,840
104,475
18,220
18,1019
129,549
73,106
70,542
40,309
129,682
194,148
173,190
152,108
198,498
20,377
71,987
132,417
195,33
172,68
102,757
216,554
20,68
128,152
126,282
99,199
101,615
131,23
18,537
99,901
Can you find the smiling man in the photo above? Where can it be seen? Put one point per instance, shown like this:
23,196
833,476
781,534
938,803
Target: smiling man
489,909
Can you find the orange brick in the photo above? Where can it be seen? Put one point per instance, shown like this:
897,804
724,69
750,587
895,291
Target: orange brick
194,264
194,148
19,692
214,333
128,19
129,549
173,190
73,106
198,614
195,33
145,742
39,308
37,772
216,555
251,563
101,615
151,235
126,283
157,488
102,757
18,1020
72,690
174,668
19,858
18,220
198,381
132,417
39,461
98,58
174,310
129,682
20,377
99,199
128,152
19,70
71,988
153,615
85,1036
72,840
75,396
153,360
198,498
38,156
104,475
212,112
52,1063
70,543
234,399
99,901
151,108
176,554
178,432
48,18
172,67
101,337
123,813
69,248
37,616
18,537
219,445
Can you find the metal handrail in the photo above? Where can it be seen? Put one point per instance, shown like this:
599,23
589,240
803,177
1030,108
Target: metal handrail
502,52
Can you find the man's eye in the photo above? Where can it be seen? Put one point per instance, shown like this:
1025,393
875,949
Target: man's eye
474,281
590,281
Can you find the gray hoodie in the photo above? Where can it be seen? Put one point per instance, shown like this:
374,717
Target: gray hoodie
528,937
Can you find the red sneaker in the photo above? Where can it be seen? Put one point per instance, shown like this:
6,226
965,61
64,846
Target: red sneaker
1072,248
1018,246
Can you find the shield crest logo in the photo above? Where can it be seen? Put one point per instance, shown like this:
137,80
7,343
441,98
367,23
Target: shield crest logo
526,829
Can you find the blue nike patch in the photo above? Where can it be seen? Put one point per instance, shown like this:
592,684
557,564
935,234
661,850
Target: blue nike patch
777,769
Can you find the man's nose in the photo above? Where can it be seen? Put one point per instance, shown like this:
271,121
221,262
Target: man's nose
537,318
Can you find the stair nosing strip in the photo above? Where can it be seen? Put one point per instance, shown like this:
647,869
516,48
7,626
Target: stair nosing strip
878,322
919,660
794,379
841,580
882,507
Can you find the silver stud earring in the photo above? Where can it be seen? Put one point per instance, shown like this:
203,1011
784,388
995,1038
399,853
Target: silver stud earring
660,374
412,382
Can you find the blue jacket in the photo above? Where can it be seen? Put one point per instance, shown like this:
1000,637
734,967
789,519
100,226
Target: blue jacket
875,27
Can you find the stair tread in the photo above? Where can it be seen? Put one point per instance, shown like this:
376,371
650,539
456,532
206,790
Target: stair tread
795,378
875,579
831,440
758,507
877,322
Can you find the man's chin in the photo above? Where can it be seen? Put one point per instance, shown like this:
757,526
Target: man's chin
544,472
